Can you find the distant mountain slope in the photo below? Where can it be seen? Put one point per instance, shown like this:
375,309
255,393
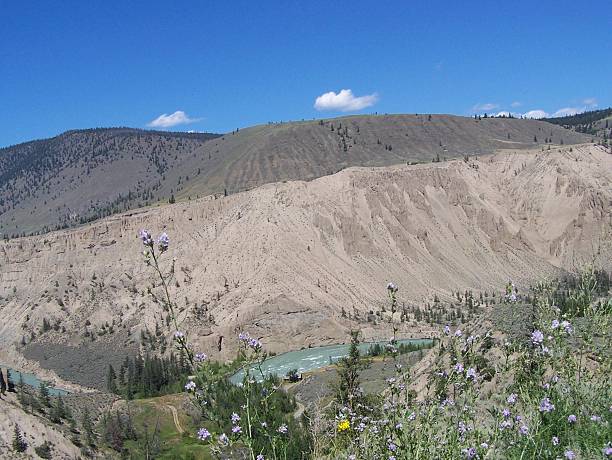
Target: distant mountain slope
594,122
301,263
83,175
86,174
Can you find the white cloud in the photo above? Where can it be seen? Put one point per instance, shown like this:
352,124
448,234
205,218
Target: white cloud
535,114
344,101
504,113
589,104
168,121
566,111
516,104
487,107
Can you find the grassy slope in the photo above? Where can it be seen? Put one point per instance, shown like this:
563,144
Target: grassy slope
173,445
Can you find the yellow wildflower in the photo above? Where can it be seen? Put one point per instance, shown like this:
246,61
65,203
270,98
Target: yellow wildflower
344,425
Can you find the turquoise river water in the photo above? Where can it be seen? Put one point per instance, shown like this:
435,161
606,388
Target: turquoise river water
309,359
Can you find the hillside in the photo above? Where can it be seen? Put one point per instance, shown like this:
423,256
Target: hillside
80,176
300,263
593,122
83,175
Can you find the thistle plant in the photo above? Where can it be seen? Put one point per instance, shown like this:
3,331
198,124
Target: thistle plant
550,394
254,426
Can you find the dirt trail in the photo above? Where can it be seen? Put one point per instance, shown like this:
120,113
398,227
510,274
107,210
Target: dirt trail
177,422
299,411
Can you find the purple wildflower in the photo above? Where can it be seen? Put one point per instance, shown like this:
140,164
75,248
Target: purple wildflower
243,336
469,453
567,327
146,238
392,287
571,418
447,330
537,337
458,333
259,457
505,424
595,418
223,439
506,412
178,335
254,344
554,324
555,441
163,242
512,398
190,386
607,451
459,368
203,434
392,447
570,455
471,373
283,429
546,405
524,429
235,418
236,429
200,357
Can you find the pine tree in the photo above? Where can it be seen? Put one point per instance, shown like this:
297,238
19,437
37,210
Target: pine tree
21,395
87,425
349,368
111,385
44,450
43,394
2,383
9,382
19,444
58,411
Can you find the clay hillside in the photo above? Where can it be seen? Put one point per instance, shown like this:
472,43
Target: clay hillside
302,262
80,176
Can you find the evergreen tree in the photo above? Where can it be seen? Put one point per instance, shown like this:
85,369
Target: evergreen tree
43,394
21,394
44,450
9,382
348,392
111,385
87,425
2,383
19,444
58,411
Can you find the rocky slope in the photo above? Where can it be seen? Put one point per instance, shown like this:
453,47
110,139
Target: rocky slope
300,263
83,175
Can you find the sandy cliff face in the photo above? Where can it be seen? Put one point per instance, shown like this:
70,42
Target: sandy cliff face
284,260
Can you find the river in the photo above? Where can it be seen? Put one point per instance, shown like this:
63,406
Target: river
33,381
309,359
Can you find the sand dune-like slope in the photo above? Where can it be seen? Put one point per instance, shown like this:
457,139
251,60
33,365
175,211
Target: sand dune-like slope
284,260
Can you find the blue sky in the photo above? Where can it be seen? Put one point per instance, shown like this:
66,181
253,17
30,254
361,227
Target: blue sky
222,65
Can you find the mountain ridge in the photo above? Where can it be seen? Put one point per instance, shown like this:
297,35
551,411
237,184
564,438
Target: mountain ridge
134,168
